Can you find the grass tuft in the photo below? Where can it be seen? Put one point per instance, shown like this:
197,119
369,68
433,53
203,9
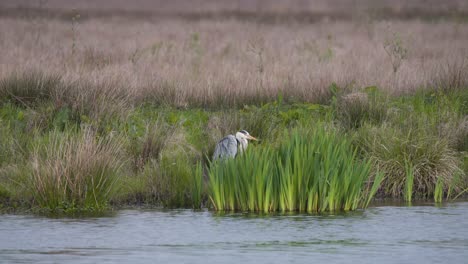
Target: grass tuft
414,161
354,109
28,88
74,172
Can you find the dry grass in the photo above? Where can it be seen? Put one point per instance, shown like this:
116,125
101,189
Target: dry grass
209,61
275,9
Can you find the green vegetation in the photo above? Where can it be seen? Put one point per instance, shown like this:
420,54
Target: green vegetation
74,172
310,171
92,151
420,145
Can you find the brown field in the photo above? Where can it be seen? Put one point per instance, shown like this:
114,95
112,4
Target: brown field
225,53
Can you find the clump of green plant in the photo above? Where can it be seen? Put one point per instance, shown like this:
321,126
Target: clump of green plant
74,172
415,161
310,172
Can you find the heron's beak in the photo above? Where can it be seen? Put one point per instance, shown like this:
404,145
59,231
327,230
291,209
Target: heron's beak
252,138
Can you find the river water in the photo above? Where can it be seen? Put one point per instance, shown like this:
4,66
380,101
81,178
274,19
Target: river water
380,234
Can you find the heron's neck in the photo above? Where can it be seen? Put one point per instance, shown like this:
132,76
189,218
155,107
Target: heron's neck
243,143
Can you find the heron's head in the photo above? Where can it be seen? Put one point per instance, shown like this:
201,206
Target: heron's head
243,134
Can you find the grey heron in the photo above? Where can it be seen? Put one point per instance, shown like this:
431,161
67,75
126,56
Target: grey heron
231,145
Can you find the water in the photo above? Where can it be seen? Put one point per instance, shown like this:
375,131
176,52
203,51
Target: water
381,234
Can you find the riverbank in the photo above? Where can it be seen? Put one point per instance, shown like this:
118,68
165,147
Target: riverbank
57,156
109,105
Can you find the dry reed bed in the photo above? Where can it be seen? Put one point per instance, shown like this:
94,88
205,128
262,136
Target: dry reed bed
231,62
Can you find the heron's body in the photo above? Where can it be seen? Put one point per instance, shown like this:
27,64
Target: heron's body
230,146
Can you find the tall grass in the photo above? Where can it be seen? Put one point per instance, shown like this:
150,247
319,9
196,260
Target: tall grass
29,87
414,161
310,172
74,172
172,181
170,176
230,62
353,109
97,100
56,100
149,145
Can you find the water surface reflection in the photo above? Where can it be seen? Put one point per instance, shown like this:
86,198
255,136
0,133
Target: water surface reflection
384,234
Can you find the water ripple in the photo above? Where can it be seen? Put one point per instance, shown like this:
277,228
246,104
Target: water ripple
383,234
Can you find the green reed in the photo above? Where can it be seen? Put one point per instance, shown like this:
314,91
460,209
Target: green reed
439,191
309,172
409,181
197,187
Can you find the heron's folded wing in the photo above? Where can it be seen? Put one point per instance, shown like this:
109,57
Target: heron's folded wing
226,147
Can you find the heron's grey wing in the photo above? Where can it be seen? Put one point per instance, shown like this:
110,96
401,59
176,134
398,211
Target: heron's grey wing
226,147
